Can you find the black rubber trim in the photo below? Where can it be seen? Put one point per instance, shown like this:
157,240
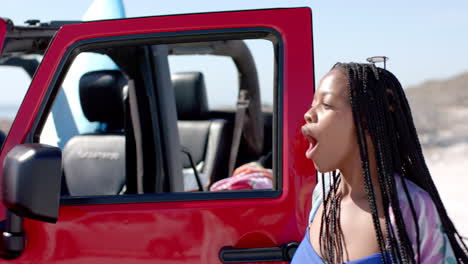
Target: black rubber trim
168,197
163,38
266,254
278,95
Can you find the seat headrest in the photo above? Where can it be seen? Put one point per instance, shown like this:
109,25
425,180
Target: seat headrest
101,97
190,94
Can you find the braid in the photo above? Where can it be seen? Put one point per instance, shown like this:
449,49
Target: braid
392,158
355,96
385,156
380,110
331,235
385,168
375,117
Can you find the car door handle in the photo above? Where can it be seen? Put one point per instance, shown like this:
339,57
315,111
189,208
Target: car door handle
235,255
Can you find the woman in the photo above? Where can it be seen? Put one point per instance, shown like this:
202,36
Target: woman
377,203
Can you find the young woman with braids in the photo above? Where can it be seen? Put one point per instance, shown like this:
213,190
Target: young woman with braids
375,201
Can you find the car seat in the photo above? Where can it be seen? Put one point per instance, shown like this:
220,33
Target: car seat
94,163
207,140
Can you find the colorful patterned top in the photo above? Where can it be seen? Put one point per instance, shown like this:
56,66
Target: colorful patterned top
434,244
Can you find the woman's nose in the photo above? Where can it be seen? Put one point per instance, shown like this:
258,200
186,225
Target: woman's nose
310,116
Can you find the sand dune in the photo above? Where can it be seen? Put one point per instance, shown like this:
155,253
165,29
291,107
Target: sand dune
440,112
5,125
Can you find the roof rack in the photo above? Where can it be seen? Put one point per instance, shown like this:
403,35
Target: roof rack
33,38
377,59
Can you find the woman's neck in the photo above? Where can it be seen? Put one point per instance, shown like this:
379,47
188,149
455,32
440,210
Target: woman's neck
352,179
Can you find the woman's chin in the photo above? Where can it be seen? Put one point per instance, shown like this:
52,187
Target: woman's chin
319,166
322,169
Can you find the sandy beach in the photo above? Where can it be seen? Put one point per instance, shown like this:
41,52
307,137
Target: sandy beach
5,125
448,168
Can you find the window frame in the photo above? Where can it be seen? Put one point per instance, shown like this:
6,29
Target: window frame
163,38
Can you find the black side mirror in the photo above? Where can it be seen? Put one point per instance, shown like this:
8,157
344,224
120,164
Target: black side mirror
31,181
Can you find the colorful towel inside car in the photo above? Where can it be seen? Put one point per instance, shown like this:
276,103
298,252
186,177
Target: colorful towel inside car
249,176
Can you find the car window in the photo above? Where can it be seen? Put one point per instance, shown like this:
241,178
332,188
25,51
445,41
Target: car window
109,114
207,90
221,75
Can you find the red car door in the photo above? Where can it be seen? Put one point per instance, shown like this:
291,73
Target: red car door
207,227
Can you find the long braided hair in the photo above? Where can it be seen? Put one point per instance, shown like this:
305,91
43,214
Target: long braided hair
381,110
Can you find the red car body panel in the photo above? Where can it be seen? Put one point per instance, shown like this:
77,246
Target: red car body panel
3,29
182,231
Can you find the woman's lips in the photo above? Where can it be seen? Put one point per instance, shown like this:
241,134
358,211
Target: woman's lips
312,147
312,142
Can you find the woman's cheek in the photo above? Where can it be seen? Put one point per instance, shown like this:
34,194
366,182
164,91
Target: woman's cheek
328,122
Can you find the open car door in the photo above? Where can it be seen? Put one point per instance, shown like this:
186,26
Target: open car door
134,206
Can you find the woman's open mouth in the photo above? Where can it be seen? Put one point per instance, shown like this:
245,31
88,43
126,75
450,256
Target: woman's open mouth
312,143
312,147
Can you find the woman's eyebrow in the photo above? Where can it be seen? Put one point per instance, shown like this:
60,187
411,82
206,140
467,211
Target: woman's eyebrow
324,93
321,94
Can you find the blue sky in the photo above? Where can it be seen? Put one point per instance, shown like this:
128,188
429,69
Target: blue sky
425,40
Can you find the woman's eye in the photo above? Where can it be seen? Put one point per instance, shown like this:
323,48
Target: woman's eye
326,106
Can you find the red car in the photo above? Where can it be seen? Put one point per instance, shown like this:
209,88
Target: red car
126,178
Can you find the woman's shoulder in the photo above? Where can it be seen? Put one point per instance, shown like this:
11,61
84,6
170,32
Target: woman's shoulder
412,197
420,199
432,238
413,189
